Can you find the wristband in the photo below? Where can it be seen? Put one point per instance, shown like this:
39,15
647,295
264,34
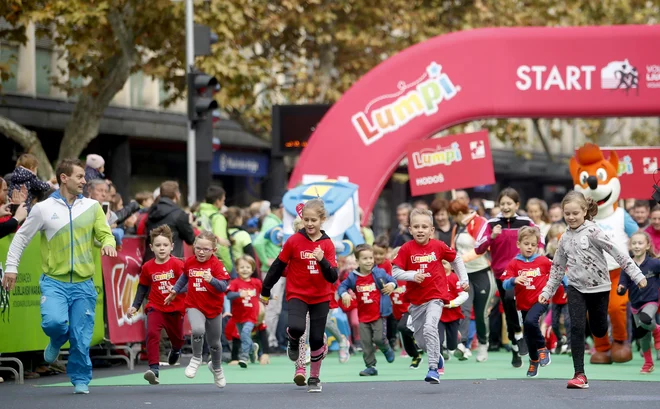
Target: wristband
263,299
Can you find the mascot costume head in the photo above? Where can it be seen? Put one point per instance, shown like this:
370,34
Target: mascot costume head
598,177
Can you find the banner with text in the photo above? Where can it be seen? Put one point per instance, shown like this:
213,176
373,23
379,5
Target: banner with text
636,168
20,315
121,276
451,162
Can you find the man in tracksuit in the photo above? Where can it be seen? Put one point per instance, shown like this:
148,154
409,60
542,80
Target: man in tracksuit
68,223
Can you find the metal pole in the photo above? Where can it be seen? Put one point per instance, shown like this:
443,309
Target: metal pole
190,61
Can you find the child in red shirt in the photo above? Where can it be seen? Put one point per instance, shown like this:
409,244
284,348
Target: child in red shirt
243,293
205,278
157,278
451,315
374,306
420,262
310,257
527,274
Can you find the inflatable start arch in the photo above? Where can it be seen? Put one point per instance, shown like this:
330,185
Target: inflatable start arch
487,73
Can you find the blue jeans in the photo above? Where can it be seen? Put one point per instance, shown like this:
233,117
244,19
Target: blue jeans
245,329
67,314
532,329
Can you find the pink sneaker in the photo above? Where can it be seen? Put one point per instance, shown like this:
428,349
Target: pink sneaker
648,366
300,376
441,371
656,337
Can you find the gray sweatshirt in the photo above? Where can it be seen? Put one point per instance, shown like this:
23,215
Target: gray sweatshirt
580,256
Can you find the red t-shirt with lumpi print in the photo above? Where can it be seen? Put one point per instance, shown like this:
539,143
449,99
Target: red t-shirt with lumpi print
454,288
368,298
387,266
536,273
426,259
304,279
202,295
245,309
160,278
400,302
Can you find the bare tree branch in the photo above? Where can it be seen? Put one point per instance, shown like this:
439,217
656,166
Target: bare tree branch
30,142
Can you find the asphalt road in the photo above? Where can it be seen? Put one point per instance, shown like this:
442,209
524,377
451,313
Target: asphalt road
500,394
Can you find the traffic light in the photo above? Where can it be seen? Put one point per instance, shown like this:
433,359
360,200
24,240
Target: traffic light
200,96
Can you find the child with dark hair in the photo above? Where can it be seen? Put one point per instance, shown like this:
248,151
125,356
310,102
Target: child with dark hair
372,287
500,236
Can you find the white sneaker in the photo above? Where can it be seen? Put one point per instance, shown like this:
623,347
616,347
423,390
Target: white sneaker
482,353
193,366
462,353
218,376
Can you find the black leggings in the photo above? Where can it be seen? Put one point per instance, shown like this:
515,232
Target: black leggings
407,337
579,305
510,312
318,315
451,329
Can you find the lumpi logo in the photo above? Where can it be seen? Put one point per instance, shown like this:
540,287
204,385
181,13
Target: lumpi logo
438,156
421,97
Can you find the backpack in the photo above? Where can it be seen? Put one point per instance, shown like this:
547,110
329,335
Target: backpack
205,222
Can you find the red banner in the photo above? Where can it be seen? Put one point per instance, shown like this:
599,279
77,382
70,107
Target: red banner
636,168
452,162
121,276
521,72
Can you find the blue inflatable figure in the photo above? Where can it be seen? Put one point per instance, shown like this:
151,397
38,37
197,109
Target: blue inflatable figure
341,203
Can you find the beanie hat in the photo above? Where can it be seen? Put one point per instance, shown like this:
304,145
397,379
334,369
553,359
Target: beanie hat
95,161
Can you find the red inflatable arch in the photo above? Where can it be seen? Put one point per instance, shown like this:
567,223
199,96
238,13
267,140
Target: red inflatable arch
486,73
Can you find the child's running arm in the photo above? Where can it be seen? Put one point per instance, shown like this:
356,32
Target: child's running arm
219,285
400,274
459,300
459,267
600,239
142,292
181,283
345,286
272,277
557,272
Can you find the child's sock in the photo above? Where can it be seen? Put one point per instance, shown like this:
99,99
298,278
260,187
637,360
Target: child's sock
154,368
315,364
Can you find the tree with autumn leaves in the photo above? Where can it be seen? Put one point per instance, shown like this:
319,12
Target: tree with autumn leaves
294,51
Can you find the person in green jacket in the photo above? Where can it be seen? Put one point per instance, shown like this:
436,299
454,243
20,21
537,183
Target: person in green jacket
267,252
67,224
214,221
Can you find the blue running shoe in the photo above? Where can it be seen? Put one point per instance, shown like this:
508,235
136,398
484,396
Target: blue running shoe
432,377
389,355
441,362
51,354
80,389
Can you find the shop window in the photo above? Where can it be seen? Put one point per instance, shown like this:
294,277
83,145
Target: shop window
9,60
42,67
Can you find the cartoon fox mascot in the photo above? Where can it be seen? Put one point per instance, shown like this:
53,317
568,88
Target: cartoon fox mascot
597,177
